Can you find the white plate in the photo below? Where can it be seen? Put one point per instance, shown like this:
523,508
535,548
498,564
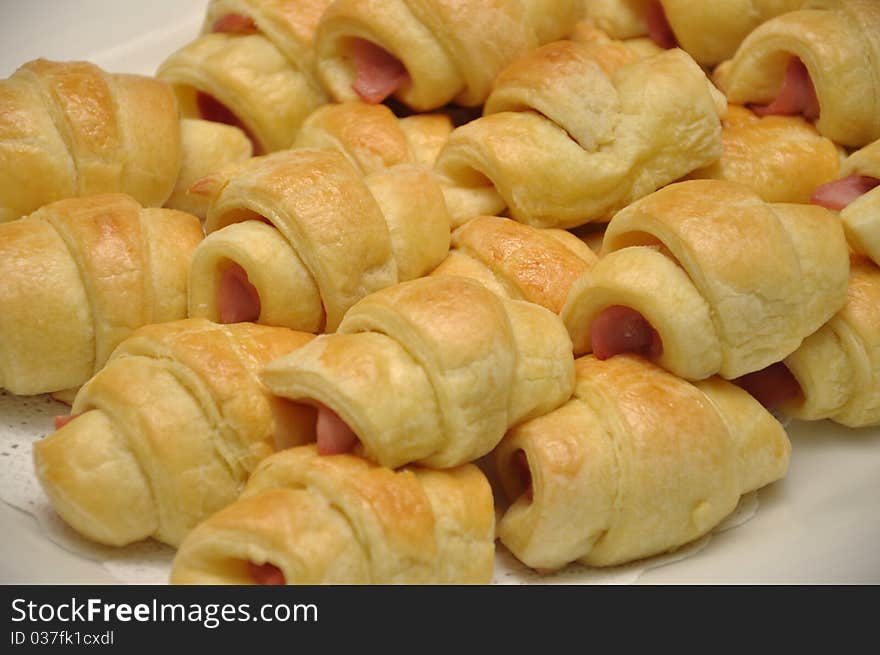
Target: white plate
821,524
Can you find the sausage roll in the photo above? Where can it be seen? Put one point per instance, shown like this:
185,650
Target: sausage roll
822,62
705,277
168,432
637,463
563,143
427,53
252,67
308,519
70,129
295,238
431,371
78,276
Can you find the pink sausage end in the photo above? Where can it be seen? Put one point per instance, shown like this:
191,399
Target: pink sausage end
266,574
618,329
235,24
772,386
797,95
237,299
659,28
378,73
61,421
334,436
838,194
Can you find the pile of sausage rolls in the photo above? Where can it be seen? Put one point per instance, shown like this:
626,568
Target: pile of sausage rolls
338,264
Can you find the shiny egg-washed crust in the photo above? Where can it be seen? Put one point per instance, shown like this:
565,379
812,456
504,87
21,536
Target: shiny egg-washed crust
730,283
70,129
452,49
518,261
782,158
432,371
207,147
839,43
710,32
266,79
861,218
343,520
838,366
335,235
167,433
562,143
637,463
372,138
78,276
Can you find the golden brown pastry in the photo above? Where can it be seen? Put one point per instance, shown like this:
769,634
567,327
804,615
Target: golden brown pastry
431,371
563,143
70,129
310,519
782,158
822,61
612,53
857,196
708,31
78,276
252,67
518,261
637,463
295,238
427,53
207,148
704,277
168,432
372,138
835,373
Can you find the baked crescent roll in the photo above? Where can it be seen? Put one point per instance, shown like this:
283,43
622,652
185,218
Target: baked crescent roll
295,238
427,53
518,261
857,196
835,373
70,129
207,147
710,32
168,432
252,67
822,61
310,519
637,463
78,276
782,158
563,143
431,371
705,277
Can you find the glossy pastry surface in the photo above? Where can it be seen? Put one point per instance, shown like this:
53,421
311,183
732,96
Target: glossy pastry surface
78,276
70,129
